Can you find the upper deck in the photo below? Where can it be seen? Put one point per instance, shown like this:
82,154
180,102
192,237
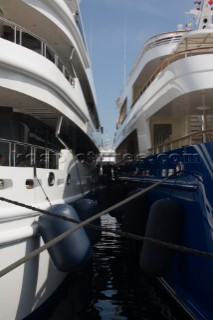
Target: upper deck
164,39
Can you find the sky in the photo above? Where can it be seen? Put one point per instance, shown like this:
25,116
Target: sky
115,32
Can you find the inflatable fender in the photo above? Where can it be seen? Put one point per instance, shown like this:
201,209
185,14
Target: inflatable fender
165,224
74,250
87,208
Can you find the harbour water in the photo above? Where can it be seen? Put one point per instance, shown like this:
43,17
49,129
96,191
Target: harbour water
110,287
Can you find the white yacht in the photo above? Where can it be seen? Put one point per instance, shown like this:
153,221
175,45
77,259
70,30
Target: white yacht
168,95
164,137
49,138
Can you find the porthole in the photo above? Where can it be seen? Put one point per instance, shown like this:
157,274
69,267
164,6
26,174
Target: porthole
51,179
29,183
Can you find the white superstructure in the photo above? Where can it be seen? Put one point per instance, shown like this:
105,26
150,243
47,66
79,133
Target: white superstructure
169,93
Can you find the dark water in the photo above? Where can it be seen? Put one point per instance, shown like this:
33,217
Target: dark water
110,287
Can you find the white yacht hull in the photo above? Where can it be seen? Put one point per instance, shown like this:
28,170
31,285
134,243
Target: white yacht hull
28,286
32,283
49,138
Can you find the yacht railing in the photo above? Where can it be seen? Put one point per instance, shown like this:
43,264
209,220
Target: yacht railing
159,40
45,49
19,154
176,56
189,139
163,39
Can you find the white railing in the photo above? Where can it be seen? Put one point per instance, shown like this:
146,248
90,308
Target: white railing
45,49
203,135
20,154
168,61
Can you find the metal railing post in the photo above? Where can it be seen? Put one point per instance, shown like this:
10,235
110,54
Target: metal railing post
10,153
15,29
42,48
20,37
14,154
13,148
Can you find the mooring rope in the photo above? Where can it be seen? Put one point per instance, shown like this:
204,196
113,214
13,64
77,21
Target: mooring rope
35,175
87,223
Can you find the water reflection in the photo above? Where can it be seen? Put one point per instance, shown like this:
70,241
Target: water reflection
110,287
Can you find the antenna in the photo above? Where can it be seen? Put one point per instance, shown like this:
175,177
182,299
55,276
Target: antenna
125,42
124,57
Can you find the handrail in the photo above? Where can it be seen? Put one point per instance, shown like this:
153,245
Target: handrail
44,47
154,42
27,155
164,64
162,146
170,38
160,36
